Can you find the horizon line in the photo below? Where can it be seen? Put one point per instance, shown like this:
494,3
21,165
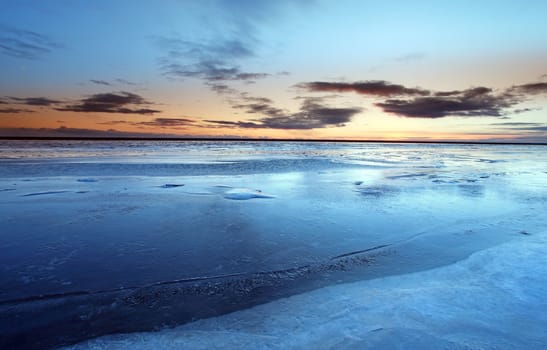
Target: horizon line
250,139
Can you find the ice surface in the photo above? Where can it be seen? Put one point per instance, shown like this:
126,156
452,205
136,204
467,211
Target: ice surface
133,251
495,299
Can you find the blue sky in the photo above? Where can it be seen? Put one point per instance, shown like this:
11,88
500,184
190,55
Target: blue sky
389,70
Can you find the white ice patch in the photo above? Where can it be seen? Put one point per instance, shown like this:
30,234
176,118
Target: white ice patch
245,193
495,299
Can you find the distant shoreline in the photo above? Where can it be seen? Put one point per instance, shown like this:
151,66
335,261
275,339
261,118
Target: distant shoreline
182,139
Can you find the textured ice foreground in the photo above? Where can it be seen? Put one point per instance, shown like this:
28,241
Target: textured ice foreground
117,237
495,299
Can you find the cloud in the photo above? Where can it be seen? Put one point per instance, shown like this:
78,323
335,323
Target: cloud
221,89
168,122
173,123
524,110
119,102
416,102
536,128
312,115
532,88
115,81
516,124
380,88
100,82
211,61
125,82
25,44
210,70
75,132
14,110
466,103
228,41
34,101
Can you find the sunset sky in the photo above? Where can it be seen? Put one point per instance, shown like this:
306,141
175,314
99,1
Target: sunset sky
398,70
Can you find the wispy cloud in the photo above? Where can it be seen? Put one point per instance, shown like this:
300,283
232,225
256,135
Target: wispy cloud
25,44
536,127
221,88
313,114
75,132
511,124
370,87
125,82
118,102
100,82
14,110
215,61
220,54
34,101
169,123
532,88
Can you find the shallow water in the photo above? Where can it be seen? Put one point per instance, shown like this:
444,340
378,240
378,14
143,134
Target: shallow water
107,237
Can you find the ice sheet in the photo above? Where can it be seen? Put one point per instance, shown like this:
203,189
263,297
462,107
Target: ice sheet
495,299
90,232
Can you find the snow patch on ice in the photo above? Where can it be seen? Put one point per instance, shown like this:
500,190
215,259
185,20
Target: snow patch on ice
245,193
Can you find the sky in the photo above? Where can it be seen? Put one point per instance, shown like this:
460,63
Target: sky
309,69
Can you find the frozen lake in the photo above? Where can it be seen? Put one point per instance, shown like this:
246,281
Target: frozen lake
272,245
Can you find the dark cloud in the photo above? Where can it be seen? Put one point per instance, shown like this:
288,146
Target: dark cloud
169,122
371,87
532,88
221,89
535,128
258,105
25,44
312,115
74,132
14,110
524,110
120,102
420,103
34,101
157,122
516,124
466,103
100,82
